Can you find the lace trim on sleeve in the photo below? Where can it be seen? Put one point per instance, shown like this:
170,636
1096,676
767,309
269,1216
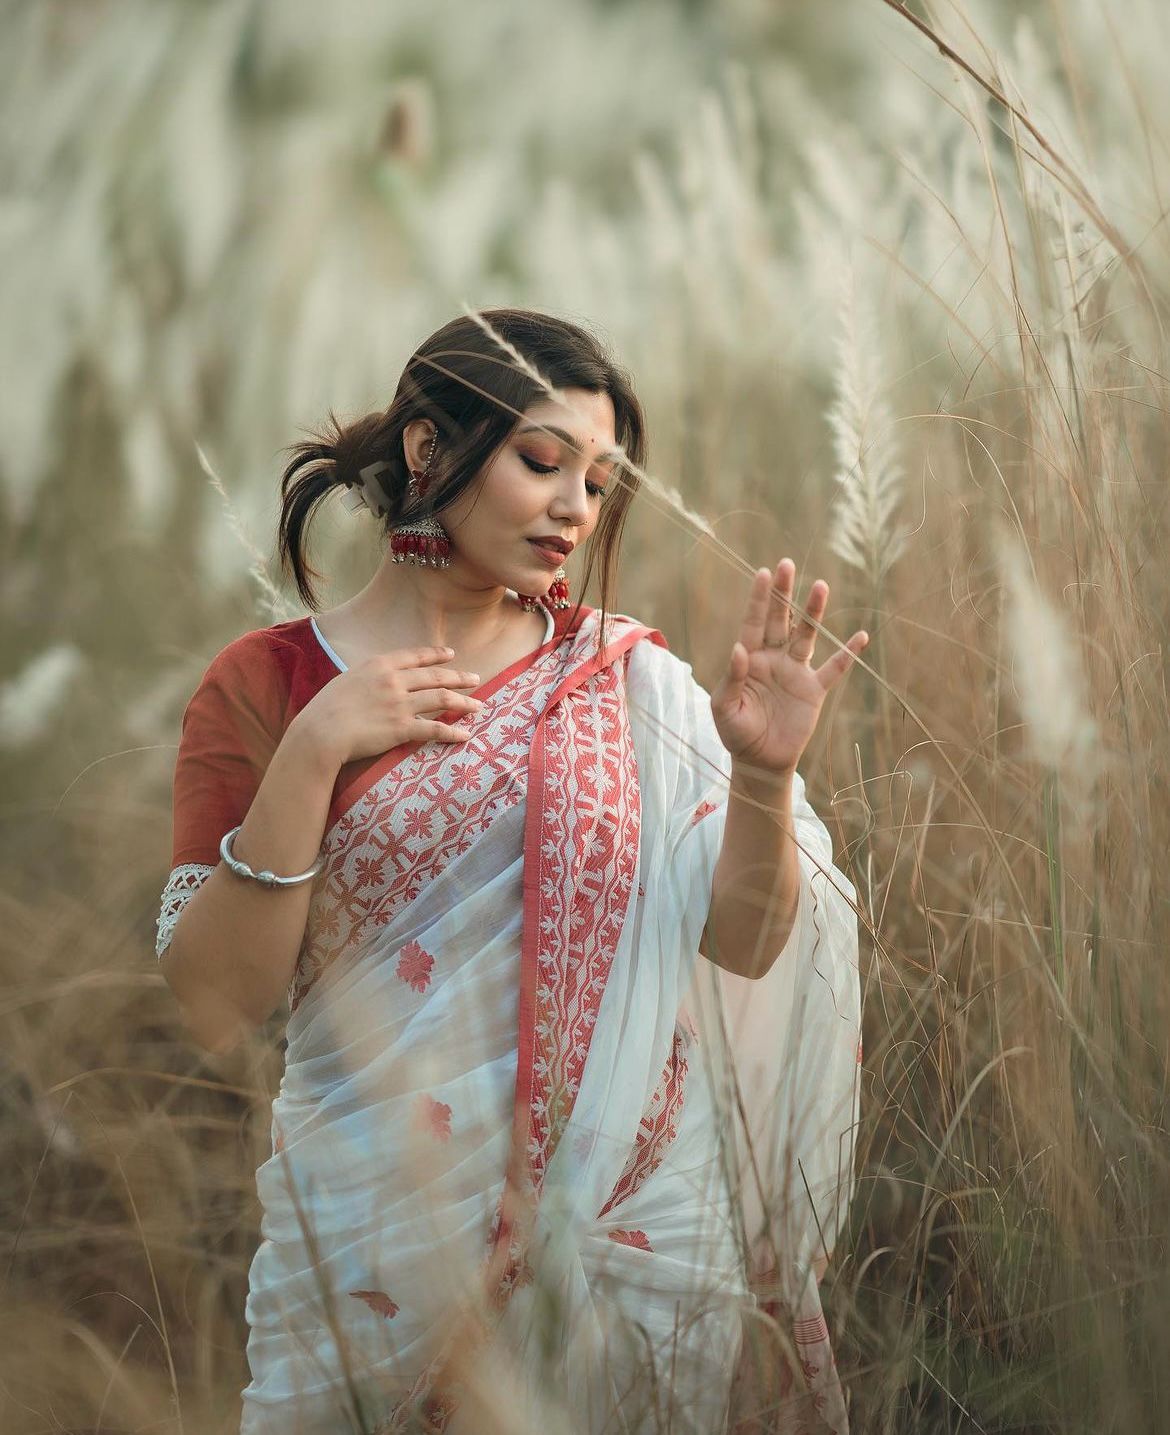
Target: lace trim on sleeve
184,881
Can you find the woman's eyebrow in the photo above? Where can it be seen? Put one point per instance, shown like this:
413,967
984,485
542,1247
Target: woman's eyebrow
611,455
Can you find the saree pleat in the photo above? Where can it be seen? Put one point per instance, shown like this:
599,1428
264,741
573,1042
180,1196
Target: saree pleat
499,992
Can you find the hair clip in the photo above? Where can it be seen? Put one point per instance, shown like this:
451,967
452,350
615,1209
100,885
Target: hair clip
366,490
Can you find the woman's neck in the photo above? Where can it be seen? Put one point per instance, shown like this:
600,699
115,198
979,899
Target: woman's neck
397,609
407,606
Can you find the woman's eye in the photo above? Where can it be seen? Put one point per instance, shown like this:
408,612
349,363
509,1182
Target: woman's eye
594,490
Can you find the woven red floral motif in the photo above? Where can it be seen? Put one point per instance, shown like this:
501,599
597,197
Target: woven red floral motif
378,1301
433,1117
638,1239
415,965
702,810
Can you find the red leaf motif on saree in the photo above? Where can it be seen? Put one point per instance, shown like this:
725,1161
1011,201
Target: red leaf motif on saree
416,823
378,1301
415,966
434,1117
638,1239
368,871
701,811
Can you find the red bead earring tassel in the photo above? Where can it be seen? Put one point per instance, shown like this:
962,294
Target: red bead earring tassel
558,593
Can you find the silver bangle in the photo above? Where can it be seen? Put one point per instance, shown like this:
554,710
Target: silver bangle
265,878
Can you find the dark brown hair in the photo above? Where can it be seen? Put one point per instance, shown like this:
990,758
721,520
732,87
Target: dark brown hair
474,391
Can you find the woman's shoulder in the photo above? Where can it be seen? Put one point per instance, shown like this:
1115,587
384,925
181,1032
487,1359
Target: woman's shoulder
273,670
285,641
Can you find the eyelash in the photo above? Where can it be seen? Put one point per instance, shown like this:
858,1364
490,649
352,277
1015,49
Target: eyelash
595,490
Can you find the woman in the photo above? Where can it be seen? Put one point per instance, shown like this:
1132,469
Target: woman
534,1164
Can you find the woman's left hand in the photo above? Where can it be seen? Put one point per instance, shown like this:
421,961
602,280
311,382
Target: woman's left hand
767,703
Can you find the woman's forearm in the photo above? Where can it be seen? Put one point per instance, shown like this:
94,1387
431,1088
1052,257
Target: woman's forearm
756,886
235,945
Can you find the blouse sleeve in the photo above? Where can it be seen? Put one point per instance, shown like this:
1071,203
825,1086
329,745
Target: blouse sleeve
789,1042
230,729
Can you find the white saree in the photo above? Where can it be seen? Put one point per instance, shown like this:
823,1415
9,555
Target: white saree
500,977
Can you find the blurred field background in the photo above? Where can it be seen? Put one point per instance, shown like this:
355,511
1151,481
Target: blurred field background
896,308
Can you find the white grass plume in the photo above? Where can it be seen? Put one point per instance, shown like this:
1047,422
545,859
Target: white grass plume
863,532
273,600
1049,679
31,699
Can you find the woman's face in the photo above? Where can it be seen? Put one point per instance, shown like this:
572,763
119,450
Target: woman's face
539,485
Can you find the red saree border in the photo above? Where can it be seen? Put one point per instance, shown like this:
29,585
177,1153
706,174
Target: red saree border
659,1124
523,1179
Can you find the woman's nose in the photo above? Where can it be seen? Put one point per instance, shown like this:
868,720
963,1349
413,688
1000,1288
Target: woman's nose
572,503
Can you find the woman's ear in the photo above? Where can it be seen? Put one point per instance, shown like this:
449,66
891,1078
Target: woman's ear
417,438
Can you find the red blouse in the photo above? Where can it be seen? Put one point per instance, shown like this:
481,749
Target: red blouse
236,717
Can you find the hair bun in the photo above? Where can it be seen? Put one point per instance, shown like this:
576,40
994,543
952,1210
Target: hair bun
342,458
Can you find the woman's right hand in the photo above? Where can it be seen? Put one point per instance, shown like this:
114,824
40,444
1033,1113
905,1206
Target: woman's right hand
389,699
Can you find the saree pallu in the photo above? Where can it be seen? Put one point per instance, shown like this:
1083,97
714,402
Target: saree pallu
499,990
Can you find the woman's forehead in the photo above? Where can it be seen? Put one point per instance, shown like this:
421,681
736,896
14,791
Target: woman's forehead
582,429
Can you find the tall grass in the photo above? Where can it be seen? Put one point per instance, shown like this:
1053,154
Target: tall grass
895,290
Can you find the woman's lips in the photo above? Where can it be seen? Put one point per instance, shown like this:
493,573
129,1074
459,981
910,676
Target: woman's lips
552,556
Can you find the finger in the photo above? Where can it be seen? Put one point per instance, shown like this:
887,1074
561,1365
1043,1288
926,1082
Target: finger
442,732
443,700
751,630
417,679
779,612
840,663
804,636
737,670
413,657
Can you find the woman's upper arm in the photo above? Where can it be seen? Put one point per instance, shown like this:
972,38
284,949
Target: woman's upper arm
228,734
